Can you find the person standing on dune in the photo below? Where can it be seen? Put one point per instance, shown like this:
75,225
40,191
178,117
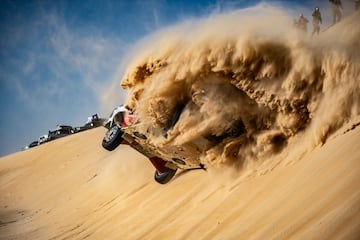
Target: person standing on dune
336,6
357,4
302,23
316,20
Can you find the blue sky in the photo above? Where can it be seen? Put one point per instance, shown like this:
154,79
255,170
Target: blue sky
57,58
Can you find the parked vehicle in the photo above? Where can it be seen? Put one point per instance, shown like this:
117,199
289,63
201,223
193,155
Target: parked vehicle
32,144
92,122
42,139
60,131
66,130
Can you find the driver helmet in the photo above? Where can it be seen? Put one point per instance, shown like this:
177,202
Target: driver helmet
126,118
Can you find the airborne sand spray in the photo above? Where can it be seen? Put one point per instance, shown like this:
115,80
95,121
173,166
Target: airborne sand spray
249,76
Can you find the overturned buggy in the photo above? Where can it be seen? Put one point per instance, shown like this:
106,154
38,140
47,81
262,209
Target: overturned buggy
124,127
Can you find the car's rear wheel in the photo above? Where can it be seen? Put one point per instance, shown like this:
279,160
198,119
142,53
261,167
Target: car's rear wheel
165,176
112,138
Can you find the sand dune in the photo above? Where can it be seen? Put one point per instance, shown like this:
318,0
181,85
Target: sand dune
292,171
73,189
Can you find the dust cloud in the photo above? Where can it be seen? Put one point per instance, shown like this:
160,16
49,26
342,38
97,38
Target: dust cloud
247,82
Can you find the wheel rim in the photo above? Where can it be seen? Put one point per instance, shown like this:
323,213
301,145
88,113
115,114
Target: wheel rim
111,133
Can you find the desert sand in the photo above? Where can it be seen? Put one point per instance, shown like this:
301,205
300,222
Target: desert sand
74,189
291,172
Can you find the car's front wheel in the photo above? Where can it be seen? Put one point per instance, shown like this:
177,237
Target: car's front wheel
165,176
112,138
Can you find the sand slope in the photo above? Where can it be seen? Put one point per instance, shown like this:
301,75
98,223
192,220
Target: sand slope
73,189
308,187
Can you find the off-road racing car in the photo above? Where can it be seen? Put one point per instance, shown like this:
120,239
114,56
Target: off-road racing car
125,128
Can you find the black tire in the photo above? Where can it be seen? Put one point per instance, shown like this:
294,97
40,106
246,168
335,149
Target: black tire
113,138
164,177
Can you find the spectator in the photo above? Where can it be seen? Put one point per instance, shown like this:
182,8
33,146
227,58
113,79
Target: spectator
295,24
302,23
316,20
336,6
357,4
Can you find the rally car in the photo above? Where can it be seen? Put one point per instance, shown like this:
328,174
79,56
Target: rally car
124,127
